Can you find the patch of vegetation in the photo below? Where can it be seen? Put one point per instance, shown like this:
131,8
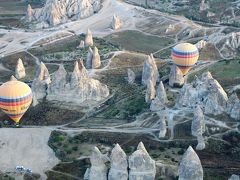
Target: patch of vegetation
138,41
226,72
46,113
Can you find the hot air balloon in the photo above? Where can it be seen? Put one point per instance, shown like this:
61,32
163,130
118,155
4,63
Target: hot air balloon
185,55
15,98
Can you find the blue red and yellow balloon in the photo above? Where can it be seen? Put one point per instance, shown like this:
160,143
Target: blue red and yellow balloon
185,55
15,99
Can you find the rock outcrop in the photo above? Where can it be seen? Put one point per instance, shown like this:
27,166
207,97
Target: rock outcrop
98,169
190,166
150,92
119,164
170,28
93,58
198,127
41,82
56,12
150,71
233,106
176,77
88,39
96,61
163,117
131,76
20,70
228,44
116,23
29,16
204,5
12,78
141,165
206,92
89,58
78,89
161,99
201,44
234,177
82,44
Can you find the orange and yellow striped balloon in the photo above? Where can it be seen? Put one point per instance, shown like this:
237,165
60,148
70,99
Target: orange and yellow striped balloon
185,55
15,99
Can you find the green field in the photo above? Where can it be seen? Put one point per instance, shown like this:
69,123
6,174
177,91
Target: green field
226,72
138,41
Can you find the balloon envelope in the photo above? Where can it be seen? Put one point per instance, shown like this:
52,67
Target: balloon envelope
15,99
185,55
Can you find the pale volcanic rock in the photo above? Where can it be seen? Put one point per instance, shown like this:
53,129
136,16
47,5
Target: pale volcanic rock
131,76
201,44
190,167
176,77
34,101
198,127
119,164
198,123
141,165
98,169
59,80
234,177
204,5
206,92
162,125
150,71
116,23
29,16
233,106
93,58
170,28
41,81
150,92
56,12
76,89
88,39
12,78
20,70
96,60
89,58
161,99
82,44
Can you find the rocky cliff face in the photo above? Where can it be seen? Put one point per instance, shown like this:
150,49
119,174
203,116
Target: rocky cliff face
233,106
161,99
80,88
20,70
98,169
41,82
176,77
116,23
206,92
141,165
198,127
190,166
56,12
119,164
150,71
